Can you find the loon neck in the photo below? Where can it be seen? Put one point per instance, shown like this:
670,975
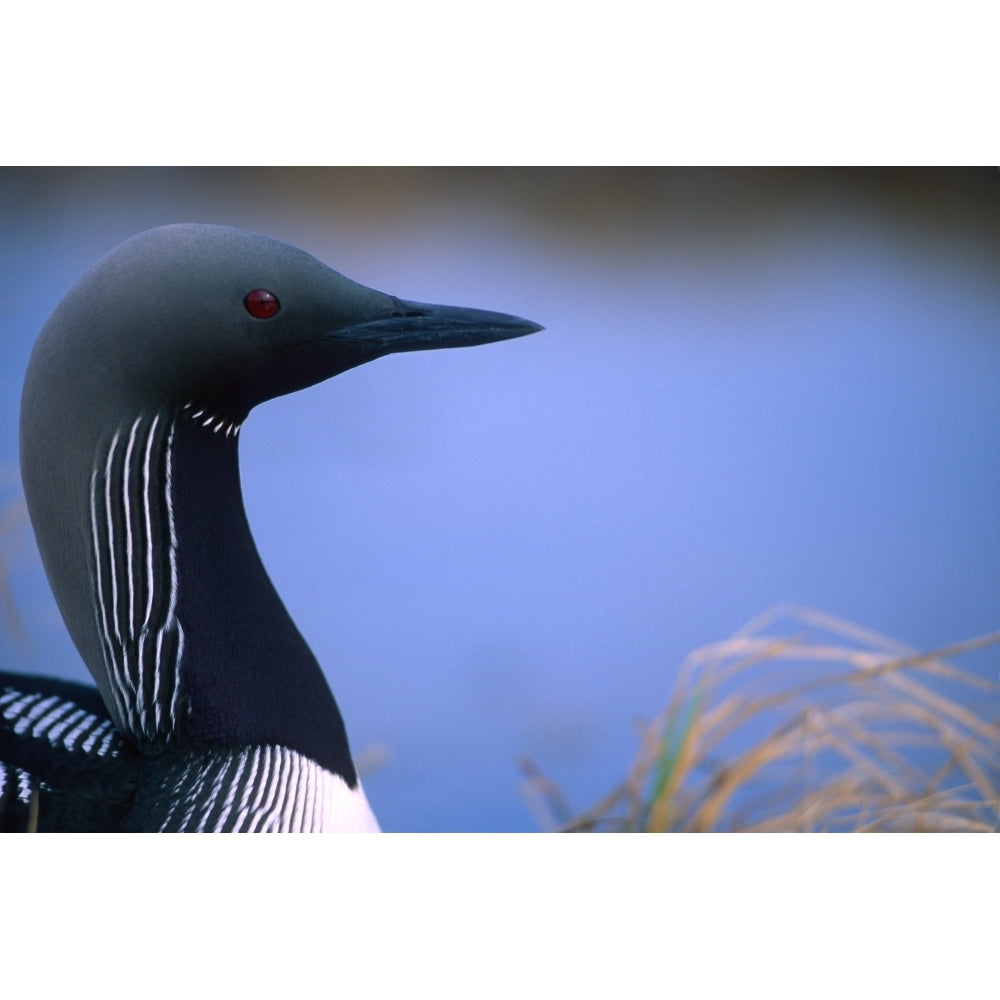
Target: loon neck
250,676
197,647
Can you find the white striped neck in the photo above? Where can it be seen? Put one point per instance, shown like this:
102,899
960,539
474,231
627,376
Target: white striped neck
197,649
133,554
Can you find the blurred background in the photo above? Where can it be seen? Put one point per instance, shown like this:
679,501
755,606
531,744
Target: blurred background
754,385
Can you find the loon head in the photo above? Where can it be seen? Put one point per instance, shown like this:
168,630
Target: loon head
132,404
228,318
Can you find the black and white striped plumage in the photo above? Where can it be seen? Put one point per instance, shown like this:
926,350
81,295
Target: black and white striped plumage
66,751
58,742
134,555
211,712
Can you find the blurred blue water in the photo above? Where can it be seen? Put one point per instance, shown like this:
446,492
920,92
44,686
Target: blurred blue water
509,550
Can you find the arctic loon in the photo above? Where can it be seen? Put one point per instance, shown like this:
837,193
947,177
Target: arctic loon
211,712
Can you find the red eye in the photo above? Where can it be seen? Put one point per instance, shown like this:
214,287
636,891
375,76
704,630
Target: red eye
262,304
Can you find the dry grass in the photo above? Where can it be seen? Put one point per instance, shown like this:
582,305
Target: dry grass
802,722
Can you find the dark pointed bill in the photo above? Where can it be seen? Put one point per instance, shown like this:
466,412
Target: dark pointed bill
417,326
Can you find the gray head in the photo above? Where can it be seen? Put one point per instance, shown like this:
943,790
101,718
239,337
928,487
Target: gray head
227,317
137,386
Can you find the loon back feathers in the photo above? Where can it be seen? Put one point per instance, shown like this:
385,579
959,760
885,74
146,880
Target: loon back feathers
212,713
